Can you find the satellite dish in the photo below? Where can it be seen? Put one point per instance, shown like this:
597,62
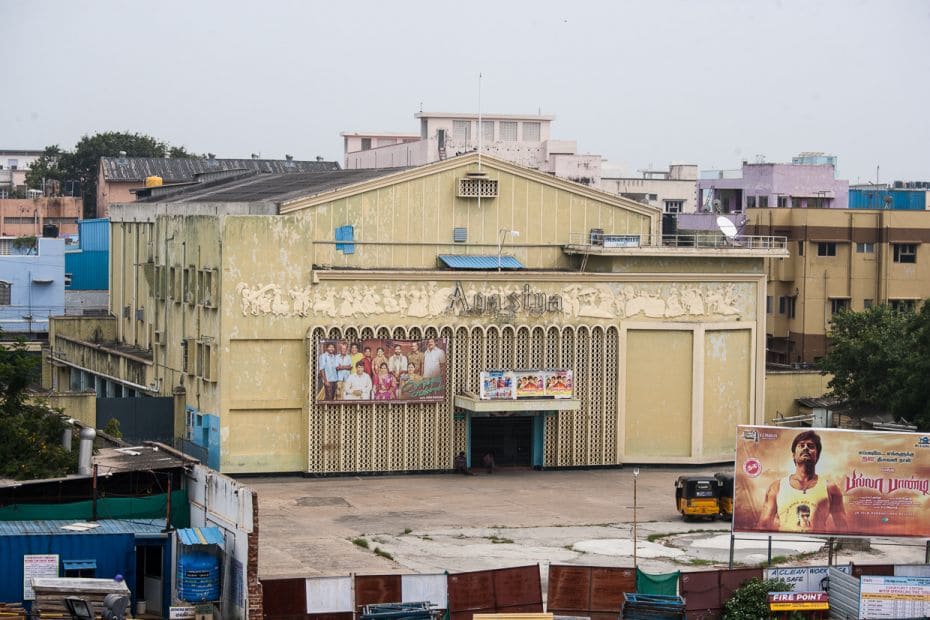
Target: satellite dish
727,227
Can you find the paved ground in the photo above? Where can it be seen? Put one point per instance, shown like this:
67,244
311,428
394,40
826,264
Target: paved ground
432,523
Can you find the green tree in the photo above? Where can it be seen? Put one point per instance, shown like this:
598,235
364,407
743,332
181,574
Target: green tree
30,433
82,163
750,600
879,360
45,168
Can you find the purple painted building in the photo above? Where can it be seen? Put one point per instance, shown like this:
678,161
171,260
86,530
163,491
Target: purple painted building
771,185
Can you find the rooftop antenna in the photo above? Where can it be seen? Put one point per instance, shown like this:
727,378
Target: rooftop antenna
480,131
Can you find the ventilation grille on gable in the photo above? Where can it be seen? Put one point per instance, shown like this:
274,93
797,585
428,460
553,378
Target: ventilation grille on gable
460,234
477,187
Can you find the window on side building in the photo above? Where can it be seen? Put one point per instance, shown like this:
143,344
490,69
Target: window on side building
487,131
791,303
826,248
531,132
905,252
838,305
865,248
508,131
674,206
750,202
763,202
6,290
782,202
461,131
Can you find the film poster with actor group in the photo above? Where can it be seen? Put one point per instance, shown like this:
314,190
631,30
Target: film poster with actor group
381,369
831,482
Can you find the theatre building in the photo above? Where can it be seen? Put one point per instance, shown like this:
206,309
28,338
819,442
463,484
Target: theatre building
517,313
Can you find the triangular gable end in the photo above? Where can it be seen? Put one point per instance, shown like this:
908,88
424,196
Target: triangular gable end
467,163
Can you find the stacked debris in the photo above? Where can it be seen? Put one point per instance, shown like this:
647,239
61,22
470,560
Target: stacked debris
652,607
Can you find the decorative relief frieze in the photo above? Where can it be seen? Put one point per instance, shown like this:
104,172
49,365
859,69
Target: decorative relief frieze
427,300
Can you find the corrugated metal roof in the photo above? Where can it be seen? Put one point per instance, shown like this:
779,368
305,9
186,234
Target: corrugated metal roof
94,235
277,187
132,169
201,536
480,261
104,526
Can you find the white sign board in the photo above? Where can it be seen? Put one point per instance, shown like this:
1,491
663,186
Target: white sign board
329,595
37,566
894,597
804,578
181,613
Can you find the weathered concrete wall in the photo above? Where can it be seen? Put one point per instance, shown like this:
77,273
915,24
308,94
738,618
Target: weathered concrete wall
782,387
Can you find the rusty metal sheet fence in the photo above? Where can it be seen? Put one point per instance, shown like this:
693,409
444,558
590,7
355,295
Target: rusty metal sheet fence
593,592
503,590
705,592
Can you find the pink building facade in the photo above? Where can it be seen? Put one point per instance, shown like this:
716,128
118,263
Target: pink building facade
772,185
25,217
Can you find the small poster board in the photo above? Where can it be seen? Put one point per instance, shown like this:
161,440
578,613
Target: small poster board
185,612
37,566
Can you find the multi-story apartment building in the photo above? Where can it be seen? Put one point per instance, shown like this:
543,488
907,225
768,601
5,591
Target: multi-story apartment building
32,285
795,185
839,258
672,190
522,139
14,164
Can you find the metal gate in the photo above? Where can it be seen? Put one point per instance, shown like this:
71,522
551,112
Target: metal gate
140,419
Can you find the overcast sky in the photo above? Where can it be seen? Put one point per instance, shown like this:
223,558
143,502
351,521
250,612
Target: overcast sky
641,83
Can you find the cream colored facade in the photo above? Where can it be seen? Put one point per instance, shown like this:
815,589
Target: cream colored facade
838,258
666,344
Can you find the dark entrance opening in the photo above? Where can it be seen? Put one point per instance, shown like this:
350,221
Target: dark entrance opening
509,438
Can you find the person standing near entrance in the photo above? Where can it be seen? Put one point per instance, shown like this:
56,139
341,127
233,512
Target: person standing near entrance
434,360
329,373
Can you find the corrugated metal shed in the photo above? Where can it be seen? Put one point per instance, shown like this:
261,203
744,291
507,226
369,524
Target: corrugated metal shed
901,200
479,261
201,536
90,271
104,526
94,235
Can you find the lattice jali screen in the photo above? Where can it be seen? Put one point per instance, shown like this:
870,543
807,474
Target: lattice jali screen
377,437
424,436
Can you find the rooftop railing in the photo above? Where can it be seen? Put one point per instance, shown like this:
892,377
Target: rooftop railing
713,241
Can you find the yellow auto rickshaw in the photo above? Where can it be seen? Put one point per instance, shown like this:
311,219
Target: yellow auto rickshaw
697,496
726,494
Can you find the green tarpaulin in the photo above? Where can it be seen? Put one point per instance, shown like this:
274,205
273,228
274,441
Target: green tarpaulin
149,507
666,584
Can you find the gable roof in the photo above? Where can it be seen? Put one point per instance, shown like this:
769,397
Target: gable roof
176,170
399,175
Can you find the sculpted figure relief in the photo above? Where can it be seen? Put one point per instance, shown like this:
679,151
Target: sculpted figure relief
597,301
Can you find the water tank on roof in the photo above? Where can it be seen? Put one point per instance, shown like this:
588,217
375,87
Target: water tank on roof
154,181
198,577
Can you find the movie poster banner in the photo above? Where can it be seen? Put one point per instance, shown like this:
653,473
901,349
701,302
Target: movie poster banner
831,481
517,384
374,370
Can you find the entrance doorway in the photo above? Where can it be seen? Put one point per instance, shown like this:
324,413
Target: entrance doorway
509,438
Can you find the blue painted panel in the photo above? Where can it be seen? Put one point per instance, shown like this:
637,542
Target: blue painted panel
90,271
114,554
205,432
878,199
94,235
478,261
539,438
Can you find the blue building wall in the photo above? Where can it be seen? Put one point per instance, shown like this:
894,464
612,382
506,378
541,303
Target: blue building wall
94,235
902,200
90,265
90,270
37,287
204,429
